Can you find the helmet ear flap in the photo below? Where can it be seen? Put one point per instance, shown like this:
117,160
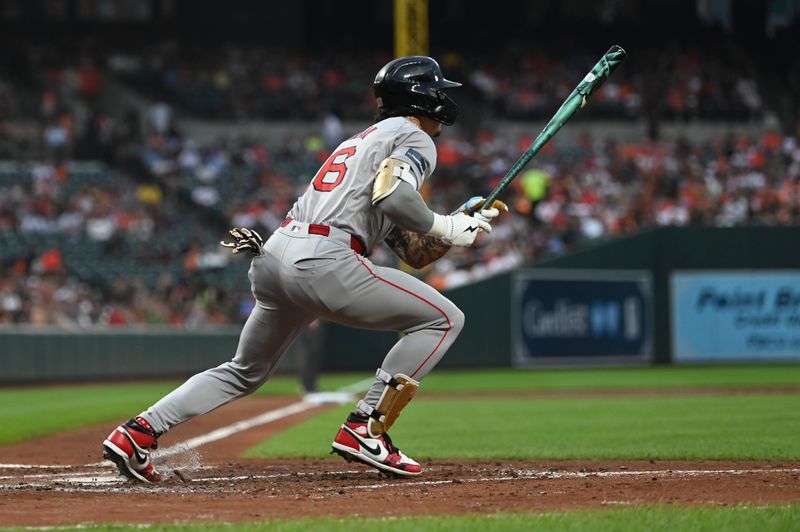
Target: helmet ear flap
447,110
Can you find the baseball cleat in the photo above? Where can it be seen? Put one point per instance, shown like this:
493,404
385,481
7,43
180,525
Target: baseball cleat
353,442
128,447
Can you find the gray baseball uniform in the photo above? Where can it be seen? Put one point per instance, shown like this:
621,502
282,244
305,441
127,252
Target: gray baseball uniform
314,266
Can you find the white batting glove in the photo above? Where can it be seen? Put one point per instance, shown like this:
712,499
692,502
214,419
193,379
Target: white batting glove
487,214
459,229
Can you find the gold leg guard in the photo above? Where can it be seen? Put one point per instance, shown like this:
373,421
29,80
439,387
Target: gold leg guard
399,391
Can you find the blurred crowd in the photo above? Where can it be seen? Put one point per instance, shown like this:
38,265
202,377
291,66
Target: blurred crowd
574,192
600,187
54,201
134,241
240,82
76,245
54,107
45,294
681,84
243,82
64,86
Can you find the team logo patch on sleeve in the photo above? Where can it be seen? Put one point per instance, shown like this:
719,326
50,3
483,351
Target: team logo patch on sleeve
419,161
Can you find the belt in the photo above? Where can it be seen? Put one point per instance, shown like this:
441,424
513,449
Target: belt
325,230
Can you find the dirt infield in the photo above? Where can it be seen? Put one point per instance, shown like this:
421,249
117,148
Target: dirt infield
58,481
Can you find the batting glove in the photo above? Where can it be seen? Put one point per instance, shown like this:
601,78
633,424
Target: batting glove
476,202
459,229
245,240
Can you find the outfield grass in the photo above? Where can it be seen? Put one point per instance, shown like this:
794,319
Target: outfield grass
734,427
27,412
613,378
30,412
646,518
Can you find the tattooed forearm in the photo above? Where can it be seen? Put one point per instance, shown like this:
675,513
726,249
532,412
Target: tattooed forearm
415,249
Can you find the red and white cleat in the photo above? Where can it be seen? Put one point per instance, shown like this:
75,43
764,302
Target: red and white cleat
353,442
128,446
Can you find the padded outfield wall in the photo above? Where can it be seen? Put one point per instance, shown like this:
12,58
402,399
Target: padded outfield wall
769,254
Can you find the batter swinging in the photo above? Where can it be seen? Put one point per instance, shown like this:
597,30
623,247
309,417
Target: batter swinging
315,266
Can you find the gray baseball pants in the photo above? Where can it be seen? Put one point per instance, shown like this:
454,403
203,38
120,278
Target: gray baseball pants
301,277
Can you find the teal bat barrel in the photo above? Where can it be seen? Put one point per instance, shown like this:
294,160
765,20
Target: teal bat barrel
576,100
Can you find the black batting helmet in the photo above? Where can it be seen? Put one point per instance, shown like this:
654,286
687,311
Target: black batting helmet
415,85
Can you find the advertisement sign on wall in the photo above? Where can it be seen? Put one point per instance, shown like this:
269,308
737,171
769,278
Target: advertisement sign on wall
723,315
581,317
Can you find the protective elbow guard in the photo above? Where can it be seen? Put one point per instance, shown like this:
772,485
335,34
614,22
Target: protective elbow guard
387,179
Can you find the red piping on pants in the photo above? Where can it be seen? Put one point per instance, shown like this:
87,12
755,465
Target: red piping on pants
378,277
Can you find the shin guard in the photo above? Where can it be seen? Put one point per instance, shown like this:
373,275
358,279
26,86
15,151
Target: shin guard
399,391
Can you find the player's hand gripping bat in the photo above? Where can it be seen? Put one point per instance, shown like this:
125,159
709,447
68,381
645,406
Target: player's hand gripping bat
575,101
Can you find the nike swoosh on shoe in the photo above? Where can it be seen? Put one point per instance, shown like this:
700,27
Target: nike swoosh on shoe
141,458
375,451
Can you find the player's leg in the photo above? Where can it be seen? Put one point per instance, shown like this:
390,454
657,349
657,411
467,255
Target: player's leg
265,337
355,292
431,324
351,290
375,297
270,328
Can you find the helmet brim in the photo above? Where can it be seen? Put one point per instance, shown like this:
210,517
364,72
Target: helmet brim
444,84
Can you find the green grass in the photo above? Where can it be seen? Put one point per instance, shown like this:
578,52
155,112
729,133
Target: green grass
31,412
645,518
26,413
613,378
734,427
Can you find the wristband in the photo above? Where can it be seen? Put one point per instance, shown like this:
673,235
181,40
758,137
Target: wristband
440,226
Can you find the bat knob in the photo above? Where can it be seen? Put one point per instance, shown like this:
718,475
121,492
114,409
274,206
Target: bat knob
618,50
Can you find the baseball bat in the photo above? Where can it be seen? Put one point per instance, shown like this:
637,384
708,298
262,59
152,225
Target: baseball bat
577,99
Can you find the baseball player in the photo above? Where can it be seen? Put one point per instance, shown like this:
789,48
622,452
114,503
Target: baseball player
315,266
